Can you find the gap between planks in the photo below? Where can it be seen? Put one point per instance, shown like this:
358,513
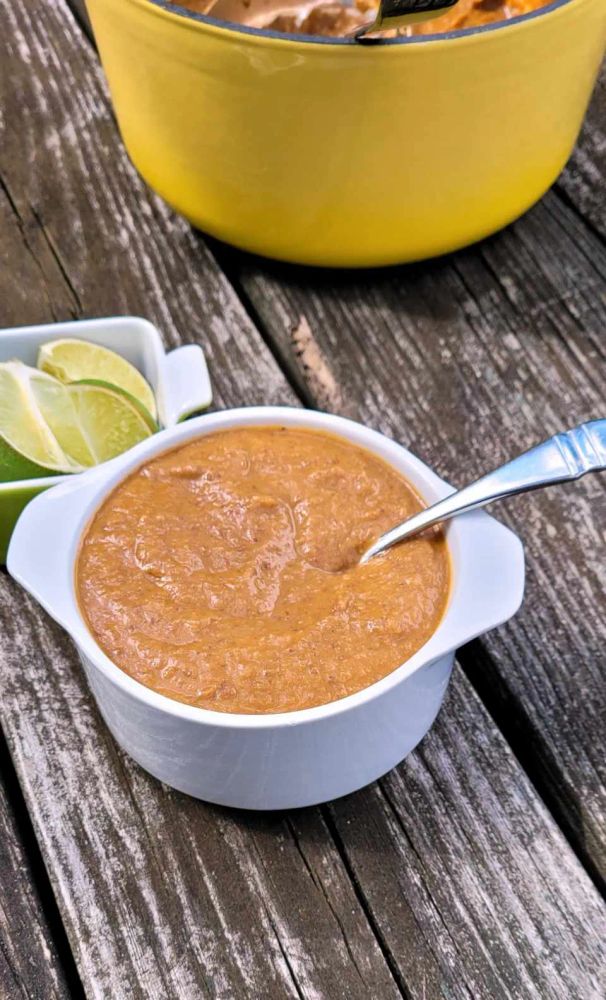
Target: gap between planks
35,956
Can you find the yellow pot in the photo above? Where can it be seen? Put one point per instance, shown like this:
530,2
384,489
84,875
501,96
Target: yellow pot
334,153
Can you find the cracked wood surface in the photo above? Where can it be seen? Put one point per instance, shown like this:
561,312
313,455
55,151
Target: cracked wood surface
468,360
448,878
583,179
29,966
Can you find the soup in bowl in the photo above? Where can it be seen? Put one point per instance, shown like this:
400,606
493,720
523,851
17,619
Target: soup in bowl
321,150
200,643
225,573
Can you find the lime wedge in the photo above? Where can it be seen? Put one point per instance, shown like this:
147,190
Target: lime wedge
48,428
144,412
108,420
56,407
28,447
79,360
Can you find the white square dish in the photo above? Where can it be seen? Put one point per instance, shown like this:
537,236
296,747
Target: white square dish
179,379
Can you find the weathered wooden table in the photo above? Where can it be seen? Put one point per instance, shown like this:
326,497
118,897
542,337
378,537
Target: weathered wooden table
476,868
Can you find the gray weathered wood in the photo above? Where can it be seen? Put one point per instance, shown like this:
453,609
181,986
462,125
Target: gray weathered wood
583,180
29,966
462,886
155,904
161,895
470,886
511,869
81,258
468,360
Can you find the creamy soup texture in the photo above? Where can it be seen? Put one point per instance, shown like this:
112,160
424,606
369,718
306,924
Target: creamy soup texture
224,573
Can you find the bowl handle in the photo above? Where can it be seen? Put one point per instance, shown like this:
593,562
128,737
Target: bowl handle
39,553
185,386
487,584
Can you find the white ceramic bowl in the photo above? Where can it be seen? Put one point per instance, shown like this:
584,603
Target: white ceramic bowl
295,758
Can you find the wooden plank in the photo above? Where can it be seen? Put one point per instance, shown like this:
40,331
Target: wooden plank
78,257
485,856
583,180
469,884
162,895
159,895
29,965
469,360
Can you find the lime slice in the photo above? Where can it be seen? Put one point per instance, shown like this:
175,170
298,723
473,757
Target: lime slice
107,418
56,407
48,428
149,420
28,447
79,360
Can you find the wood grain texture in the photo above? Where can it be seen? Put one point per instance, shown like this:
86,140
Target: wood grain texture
29,966
160,896
486,834
448,880
583,179
94,238
469,360
470,887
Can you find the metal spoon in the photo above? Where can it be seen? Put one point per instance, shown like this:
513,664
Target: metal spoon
559,459
400,13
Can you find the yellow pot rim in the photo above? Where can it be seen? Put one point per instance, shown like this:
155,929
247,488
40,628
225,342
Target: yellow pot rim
211,25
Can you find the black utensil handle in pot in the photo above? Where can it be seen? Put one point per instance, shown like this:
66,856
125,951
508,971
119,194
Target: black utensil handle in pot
399,13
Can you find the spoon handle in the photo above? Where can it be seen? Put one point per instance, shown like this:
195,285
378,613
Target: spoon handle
402,13
559,459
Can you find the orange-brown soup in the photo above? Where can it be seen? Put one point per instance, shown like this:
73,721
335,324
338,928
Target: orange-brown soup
224,573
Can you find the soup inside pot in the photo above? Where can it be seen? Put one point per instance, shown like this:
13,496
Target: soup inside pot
225,573
334,19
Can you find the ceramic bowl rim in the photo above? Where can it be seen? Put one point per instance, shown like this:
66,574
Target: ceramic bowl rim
98,483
